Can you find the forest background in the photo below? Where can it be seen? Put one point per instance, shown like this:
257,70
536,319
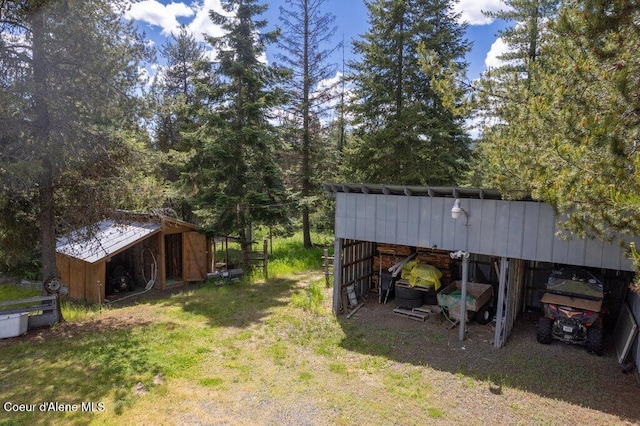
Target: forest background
232,142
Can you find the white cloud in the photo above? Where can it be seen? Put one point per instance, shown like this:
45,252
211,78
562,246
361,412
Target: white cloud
471,10
155,13
202,24
498,48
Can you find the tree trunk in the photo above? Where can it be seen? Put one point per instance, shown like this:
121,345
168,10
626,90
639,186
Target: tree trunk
42,137
46,218
306,135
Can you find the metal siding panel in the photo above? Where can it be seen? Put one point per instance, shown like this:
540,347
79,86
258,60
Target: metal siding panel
626,264
350,227
546,230
424,226
351,206
341,204
593,253
413,233
391,234
501,227
576,251
381,208
402,233
370,201
391,218
391,203
611,255
516,230
475,225
341,227
403,219
414,212
461,225
444,223
560,250
361,205
361,228
403,209
487,234
369,230
530,230
380,230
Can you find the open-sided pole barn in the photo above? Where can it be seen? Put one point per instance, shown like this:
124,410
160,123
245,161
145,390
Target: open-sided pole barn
515,235
168,250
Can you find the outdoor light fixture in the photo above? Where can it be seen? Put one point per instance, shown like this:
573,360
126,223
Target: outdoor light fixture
457,211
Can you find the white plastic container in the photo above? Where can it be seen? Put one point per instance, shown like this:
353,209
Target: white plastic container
13,325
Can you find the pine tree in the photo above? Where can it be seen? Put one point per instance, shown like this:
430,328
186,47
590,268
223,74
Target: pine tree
177,110
186,67
235,174
70,69
306,31
505,90
404,133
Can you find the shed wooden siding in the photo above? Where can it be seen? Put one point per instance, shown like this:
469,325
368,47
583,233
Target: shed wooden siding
512,229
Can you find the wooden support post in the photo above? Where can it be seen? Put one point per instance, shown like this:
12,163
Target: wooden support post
337,276
502,288
265,254
463,296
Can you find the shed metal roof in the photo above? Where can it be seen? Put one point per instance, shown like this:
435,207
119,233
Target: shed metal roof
430,191
106,238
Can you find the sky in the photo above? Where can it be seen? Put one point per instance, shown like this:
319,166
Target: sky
160,18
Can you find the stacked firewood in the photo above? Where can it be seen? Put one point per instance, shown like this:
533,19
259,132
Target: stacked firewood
390,254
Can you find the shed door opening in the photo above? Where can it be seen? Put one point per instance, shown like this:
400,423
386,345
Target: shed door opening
173,253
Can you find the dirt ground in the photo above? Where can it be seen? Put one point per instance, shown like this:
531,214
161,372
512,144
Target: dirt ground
559,371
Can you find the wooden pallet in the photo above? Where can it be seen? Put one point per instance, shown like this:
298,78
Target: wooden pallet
411,314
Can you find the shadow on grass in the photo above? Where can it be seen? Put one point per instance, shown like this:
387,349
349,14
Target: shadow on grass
556,371
89,363
80,370
230,305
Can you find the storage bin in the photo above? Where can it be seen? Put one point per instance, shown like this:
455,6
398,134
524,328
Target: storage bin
13,325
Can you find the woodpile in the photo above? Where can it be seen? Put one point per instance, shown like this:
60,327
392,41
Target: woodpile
390,254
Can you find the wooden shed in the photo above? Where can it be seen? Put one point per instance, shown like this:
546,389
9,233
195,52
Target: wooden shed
165,251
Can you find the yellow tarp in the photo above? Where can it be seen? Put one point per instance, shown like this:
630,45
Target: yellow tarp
421,274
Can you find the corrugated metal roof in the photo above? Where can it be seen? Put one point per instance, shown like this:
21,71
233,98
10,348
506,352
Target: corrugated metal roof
106,238
430,191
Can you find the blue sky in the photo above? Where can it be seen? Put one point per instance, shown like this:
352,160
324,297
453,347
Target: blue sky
159,18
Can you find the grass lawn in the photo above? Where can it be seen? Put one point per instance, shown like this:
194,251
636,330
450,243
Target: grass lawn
270,352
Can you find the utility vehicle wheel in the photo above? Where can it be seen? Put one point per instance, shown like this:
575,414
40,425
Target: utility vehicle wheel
543,332
484,315
594,340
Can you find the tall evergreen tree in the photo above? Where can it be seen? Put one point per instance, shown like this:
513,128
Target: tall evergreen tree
235,174
307,31
503,90
69,71
186,67
178,106
404,133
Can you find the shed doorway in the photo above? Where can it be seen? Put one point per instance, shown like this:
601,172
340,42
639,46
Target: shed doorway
173,257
